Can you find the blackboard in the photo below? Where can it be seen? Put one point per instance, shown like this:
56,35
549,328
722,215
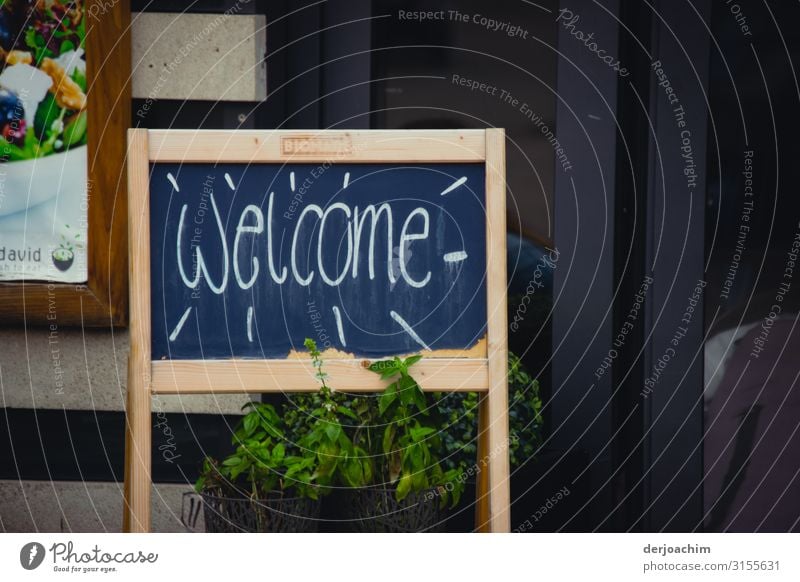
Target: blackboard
207,208
248,260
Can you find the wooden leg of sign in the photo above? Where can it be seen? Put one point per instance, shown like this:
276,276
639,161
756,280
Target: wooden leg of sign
497,445
482,514
138,421
493,508
138,454
126,498
496,408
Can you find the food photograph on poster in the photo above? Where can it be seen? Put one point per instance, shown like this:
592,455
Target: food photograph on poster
43,159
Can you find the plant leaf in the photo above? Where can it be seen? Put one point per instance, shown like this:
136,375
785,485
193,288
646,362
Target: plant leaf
347,412
403,487
419,398
388,438
278,453
416,457
410,361
333,431
387,398
420,432
250,424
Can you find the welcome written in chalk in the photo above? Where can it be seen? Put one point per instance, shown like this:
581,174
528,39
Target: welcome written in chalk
393,257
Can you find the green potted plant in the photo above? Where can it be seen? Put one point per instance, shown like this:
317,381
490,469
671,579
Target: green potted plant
284,463
412,486
260,487
386,449
321,436
524,413
460,411
398,458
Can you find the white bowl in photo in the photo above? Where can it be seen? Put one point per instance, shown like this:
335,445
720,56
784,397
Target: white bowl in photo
27,183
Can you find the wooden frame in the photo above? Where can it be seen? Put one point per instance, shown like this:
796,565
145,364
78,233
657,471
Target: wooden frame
102,301
486,373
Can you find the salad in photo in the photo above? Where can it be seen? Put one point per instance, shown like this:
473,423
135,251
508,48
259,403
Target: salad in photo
43,78
43,133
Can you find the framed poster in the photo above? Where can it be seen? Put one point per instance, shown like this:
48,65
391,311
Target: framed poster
64,99
43,110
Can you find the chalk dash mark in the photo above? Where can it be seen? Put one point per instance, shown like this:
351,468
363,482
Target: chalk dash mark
409,330
179,327
229,180
455,257
172,181
339,328
460,182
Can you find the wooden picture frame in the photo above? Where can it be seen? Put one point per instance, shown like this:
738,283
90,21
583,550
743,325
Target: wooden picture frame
480,370
103,300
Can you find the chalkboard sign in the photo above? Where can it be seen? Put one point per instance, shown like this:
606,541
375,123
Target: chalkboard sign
248,260
373,243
